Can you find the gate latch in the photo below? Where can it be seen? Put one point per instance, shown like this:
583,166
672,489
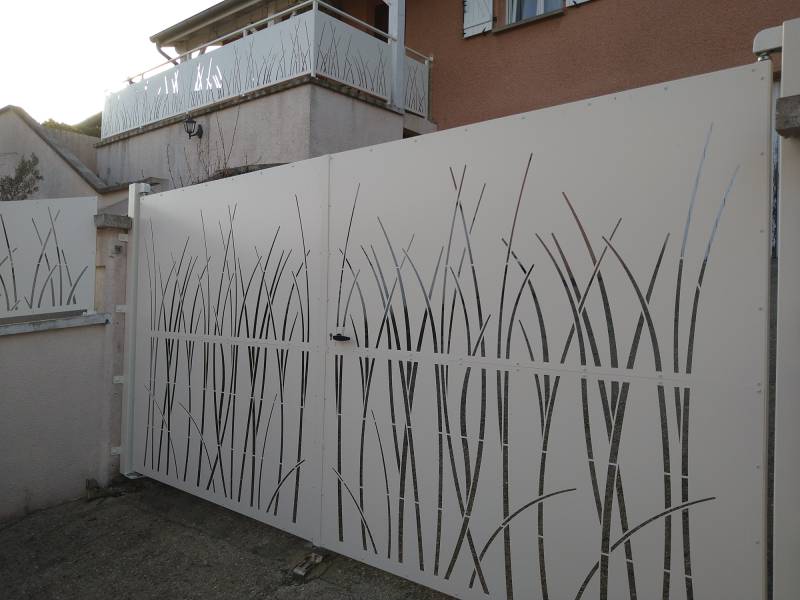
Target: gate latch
340,337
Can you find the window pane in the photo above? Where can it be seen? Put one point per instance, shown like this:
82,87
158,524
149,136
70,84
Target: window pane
527,8
533,8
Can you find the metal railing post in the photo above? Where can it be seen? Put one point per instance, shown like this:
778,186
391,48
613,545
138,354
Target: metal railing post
313,49
429,68
135,192
397,30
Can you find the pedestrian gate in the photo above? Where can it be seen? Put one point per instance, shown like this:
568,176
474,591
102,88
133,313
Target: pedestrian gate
524,358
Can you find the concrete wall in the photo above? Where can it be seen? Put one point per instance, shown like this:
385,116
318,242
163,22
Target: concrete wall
17,139
340,122
110,292
599,47
292,124
81,145
59,408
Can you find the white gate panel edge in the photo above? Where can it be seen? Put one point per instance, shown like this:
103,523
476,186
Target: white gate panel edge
228,385
787,382
486,460
47,256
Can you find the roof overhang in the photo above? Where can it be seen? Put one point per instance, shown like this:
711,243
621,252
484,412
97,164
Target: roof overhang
178,33
97,184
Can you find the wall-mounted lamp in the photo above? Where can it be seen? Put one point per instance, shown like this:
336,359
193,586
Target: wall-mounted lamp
192,128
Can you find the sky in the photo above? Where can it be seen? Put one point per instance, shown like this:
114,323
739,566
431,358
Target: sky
59,58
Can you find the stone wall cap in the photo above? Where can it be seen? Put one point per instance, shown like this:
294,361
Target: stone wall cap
111,221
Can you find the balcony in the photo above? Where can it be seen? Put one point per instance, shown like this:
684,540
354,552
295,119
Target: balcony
311,39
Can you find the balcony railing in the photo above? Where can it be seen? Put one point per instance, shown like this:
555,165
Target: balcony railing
310,39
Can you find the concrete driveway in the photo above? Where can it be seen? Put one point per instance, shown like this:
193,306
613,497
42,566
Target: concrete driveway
156,542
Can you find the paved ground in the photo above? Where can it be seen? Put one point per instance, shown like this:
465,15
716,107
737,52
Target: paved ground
156,542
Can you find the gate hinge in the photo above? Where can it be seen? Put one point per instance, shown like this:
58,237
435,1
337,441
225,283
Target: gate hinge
119,379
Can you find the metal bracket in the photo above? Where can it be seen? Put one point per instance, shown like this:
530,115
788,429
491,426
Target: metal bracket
121,308
309,562
119,379
123,237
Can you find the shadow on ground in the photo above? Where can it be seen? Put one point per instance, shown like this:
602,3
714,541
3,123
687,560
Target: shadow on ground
153,541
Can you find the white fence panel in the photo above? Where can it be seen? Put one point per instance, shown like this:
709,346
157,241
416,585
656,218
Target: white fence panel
230,341
352,56
417,83
554,384
47,256
274,54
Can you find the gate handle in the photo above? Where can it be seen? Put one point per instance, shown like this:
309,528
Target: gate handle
340,337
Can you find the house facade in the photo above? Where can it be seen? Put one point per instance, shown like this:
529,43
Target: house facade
498,57
276,81
267,82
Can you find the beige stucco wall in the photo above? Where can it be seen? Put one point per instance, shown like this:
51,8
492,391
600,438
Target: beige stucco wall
293,124
51,415
270,129
59,407
17,140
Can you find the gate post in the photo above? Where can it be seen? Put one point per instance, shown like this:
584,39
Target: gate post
135,192
786,541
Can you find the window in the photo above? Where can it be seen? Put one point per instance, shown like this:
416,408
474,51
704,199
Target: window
519,10
479,17
382,17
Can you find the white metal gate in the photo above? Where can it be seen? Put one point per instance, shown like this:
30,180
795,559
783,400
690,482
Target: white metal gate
524,358
229,346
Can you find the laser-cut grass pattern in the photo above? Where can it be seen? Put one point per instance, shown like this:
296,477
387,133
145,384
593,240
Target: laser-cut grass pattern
46,279
416,307
410,315
210,315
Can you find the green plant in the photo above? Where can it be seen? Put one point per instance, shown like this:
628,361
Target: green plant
90,126
24,182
